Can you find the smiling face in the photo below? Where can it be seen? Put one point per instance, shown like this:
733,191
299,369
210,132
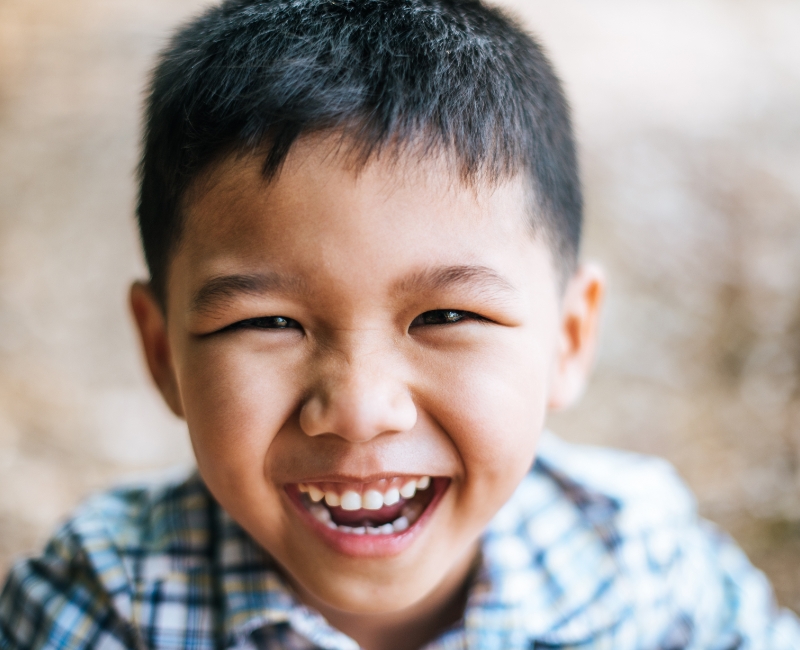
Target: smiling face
365,362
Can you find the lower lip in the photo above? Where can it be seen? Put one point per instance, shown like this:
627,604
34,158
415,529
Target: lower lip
369,545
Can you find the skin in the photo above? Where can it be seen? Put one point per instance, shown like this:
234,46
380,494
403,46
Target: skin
362,384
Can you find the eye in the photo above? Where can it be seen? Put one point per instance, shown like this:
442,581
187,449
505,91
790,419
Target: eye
265,323
443,317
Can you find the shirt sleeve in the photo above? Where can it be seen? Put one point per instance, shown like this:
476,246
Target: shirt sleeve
56,601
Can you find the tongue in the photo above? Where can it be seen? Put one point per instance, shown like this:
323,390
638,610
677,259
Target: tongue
364,517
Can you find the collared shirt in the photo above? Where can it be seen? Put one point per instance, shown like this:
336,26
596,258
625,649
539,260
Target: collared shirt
597,549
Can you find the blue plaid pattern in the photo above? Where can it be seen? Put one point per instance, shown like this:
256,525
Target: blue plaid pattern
597,549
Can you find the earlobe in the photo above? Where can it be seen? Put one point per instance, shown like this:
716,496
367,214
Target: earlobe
152,327
579,328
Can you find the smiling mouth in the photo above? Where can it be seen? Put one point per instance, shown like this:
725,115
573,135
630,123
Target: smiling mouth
388,507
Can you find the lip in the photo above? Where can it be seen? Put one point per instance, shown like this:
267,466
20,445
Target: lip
369,546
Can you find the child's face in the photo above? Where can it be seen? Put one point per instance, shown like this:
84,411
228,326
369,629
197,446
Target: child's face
349,334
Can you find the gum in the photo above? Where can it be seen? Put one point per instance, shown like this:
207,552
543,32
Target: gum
382,485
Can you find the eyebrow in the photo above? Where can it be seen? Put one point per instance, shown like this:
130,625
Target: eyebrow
223,288
443,277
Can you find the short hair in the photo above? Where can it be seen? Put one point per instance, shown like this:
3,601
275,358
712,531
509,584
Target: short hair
455,76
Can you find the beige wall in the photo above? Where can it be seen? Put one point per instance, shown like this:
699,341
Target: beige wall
688,112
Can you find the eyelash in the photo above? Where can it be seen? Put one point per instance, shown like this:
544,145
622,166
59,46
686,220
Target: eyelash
265,323
444,317
428,318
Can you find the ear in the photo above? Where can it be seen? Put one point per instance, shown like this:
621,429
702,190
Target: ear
577,341
152,327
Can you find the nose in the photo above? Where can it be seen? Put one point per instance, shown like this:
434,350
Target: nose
358,399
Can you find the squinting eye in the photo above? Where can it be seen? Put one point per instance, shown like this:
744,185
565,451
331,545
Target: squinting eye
266,323
440,317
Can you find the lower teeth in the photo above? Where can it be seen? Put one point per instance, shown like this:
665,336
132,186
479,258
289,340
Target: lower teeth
410,514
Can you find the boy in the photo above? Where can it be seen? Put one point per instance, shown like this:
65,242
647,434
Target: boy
361,220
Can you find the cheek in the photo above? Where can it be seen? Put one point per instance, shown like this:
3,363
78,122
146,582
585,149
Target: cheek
493,408
236,401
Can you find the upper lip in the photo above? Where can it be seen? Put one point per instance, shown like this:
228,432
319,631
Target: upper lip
350,478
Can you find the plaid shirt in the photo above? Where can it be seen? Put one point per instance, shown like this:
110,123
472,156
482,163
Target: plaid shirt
596,549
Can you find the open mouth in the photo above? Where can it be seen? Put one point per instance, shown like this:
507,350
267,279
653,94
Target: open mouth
384,509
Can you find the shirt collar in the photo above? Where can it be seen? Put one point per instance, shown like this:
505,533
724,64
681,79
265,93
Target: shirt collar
256,595
550,569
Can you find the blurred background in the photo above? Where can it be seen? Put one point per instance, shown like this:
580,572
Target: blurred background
688,115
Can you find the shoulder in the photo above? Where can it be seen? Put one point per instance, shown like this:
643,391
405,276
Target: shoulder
609,497
610,544
573,546
646,492
168,515
81,591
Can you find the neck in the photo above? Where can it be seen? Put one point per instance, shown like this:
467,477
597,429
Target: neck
410,628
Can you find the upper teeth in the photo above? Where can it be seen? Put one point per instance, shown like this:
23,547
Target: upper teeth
408,490
390,497
351,501
372,499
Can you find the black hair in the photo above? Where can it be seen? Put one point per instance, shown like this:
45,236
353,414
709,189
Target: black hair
456,76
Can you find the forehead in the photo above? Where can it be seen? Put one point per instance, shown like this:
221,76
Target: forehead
326,163
322,212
